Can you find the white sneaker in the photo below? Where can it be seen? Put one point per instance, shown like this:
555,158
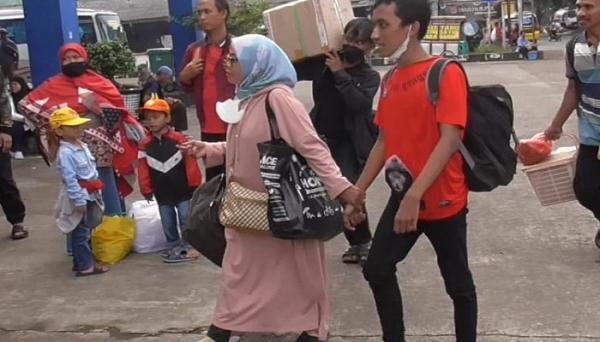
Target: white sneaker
18,155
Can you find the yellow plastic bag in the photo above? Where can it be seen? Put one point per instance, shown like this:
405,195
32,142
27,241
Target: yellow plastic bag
113,239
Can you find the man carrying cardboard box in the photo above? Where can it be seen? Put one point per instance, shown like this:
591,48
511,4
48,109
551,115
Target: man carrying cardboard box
204,75
344,86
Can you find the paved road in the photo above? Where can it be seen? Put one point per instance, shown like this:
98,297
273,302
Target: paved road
536,268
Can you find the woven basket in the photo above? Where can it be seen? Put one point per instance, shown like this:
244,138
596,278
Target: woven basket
552,179
132,100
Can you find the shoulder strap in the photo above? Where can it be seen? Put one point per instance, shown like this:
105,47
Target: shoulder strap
434,80
272,119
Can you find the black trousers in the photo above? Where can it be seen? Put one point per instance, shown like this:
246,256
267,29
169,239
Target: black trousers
345,157
587,179
449,239
211,172
10,198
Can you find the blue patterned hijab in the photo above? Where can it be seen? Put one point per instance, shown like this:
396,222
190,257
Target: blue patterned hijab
263,64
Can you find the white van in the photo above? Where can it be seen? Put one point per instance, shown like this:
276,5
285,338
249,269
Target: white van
566,17
94,26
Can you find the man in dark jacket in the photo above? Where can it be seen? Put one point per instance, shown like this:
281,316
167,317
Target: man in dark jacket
344,86
10,198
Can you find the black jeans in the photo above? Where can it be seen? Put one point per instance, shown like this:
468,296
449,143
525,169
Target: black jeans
345,157
449,239
211,172
587,179
10,198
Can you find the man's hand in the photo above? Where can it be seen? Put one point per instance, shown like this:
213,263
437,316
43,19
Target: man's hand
194,148
191,70
553,132
334,62
354,196
353,217
81,210
5,142
408,214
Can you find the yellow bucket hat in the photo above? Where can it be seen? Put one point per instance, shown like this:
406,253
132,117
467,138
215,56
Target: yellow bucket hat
66,117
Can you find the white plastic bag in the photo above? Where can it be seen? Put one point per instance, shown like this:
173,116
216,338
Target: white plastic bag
150,237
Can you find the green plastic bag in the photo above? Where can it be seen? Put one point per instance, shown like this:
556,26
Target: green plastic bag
113,239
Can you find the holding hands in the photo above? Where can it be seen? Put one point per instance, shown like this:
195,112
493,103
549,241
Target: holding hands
353,199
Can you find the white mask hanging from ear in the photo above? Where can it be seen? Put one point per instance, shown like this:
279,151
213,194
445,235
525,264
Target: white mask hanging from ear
403,47
230,111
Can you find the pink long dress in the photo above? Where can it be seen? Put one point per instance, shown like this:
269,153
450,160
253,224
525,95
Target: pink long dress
271,285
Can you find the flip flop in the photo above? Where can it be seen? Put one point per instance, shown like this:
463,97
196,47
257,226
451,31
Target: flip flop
351,255
18,232
98,269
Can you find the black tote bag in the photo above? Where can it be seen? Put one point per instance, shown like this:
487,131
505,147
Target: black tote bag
204,231
299,206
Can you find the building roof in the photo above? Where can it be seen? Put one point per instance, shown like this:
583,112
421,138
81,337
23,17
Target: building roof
131,10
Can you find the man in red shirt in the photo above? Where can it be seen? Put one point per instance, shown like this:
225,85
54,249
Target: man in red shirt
204,75
430,197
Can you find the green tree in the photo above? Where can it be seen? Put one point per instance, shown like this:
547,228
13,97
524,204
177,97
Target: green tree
111,59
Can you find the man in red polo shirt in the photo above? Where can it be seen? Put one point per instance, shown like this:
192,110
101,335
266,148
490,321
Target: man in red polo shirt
204,76
430,195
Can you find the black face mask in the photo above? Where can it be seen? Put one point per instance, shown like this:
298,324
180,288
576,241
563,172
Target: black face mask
351,54
74,69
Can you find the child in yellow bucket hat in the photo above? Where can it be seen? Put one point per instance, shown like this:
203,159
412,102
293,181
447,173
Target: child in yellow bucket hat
79,205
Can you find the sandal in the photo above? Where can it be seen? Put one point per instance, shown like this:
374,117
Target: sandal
351,255
98,269
19,232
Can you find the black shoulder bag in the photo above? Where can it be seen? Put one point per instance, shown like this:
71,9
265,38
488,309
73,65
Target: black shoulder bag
299,206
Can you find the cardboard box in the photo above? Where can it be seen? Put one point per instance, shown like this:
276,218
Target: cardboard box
306,28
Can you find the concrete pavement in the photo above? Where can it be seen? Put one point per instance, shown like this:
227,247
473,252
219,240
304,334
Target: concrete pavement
536,269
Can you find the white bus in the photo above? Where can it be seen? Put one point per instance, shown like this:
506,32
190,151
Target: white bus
94,26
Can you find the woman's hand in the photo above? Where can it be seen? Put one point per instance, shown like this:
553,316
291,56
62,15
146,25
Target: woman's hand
195,148
354,196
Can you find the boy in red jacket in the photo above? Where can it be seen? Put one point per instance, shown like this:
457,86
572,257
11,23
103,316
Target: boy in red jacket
168,175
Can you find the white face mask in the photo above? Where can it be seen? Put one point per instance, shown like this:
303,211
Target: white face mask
229,111
403,47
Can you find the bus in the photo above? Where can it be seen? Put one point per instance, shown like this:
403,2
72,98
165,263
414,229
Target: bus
94,27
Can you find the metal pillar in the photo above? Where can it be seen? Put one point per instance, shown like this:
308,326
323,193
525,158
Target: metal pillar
182,35
49,24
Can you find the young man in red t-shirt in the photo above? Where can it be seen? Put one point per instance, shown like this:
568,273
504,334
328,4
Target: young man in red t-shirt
426,141
203,75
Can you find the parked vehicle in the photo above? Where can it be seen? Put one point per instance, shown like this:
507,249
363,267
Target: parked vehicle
531,25
94,26
566,17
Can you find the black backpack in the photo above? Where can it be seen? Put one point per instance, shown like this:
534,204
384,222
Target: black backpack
490,159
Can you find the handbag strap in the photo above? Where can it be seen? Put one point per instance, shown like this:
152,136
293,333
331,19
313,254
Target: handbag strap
274,128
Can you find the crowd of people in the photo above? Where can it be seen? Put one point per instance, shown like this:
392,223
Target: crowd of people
100,150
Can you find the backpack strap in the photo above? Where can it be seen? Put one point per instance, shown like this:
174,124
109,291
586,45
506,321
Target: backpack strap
434,81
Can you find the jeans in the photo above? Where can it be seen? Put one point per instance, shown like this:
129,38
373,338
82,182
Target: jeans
81,243
587,179
449,239
169,216
10,198
113,203
212,172
18,136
